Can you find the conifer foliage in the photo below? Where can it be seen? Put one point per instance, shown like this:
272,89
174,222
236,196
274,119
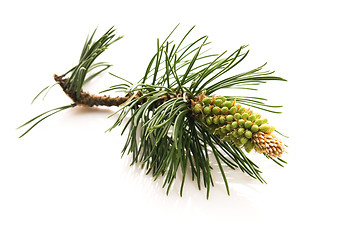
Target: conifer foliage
174,120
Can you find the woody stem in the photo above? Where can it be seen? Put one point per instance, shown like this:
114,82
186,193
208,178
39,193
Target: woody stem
92,100
88,99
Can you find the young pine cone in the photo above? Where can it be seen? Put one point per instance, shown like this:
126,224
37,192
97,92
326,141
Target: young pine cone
237,124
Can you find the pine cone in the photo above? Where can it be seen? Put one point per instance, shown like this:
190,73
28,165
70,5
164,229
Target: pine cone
237,124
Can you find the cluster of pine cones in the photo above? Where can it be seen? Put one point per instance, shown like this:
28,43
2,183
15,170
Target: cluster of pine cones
236,124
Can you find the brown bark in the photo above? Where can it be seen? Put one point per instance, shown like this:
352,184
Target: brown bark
92,100
88,99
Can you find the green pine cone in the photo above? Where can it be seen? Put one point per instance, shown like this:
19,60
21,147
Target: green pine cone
237,124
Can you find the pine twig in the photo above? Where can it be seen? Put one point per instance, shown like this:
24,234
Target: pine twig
173,114
88,99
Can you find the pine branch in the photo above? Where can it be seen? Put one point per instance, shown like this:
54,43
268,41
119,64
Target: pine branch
173,114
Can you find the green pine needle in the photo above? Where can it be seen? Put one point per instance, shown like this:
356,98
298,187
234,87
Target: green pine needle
45,114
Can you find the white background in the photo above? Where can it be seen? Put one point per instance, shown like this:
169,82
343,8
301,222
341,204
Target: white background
67,180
